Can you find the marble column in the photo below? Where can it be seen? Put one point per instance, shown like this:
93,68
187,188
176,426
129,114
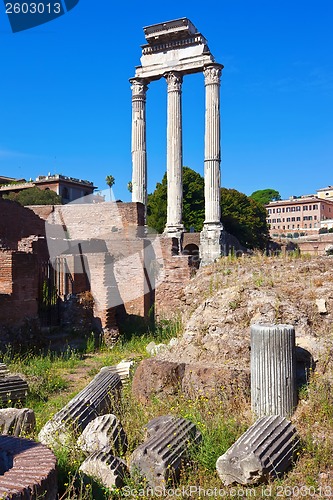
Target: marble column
211,235
139,152
174,225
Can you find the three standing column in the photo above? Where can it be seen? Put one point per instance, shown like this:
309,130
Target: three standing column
174,225
139,150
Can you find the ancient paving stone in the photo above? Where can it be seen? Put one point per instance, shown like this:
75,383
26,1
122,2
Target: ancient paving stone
103,432
105,468
160,457
263,452
13,389
97,398
17,421
28,470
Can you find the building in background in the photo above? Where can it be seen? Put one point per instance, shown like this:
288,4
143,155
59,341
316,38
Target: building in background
303,215
68,188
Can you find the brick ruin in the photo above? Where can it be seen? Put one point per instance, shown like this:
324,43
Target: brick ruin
51,255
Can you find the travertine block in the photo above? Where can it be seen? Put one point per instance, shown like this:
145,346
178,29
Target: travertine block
103,432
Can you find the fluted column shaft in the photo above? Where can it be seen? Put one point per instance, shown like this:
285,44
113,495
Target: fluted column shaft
273,370
139,152
174,153
212,75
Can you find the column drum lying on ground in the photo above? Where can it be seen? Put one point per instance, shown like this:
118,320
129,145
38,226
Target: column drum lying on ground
97,398
263,452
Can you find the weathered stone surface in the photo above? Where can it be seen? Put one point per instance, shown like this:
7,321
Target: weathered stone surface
160,377
321,305
205,379
273,370
124,369
13,389
28,470
154,349
263,452
17,421
160,457
156,377
105,468
103,432
3,370
96,399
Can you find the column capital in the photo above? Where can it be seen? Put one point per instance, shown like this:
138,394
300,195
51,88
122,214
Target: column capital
139,87
212,74
174,80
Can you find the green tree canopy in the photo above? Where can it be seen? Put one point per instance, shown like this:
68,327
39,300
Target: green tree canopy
244,218
35,196
193,202
241,216
264,196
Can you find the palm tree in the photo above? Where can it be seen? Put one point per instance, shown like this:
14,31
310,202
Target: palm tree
110,180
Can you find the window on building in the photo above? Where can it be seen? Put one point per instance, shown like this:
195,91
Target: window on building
288,219
288,209
315,207
293,219
269,211
293,209
273,221
278,210
310,225
310,207
298,218
273,210
283,209
278,220
305,225
315,217
305,207
310,217
298,209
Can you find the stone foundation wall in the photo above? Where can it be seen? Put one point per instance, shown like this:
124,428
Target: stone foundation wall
170,293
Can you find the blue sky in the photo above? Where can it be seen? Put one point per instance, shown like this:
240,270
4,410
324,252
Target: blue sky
65,105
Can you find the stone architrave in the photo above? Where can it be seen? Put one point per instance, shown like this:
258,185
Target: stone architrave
174,225
273,370
211,234
139,151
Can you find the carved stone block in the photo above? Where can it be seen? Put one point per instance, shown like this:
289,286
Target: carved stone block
103,432
105,468
264,451
17,421
13,389
160,457
96,399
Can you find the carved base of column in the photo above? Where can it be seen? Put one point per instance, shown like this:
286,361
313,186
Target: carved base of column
174,231
211,243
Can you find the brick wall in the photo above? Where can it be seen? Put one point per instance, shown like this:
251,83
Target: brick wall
18,223
22,300
177,273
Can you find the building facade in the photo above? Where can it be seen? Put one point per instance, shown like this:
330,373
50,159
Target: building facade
68,188
305,214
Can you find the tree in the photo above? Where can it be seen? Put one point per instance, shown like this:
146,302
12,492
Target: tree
244,218
35,196
130,186
241,216
193,202
110,180
264,196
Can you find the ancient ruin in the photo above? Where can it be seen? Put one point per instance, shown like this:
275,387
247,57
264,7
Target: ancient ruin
175,49
263,452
